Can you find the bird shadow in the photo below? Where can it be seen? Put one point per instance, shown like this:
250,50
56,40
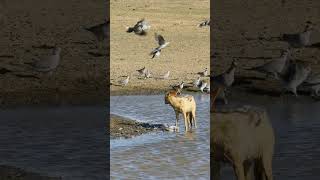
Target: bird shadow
6,56
26,76
43,46
81,42
255,58
245,80
115,84
159,78
5,71
97,54
143,78
314,45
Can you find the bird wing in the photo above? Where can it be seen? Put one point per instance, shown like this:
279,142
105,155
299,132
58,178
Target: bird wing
274,65
313,79
292,70
153,51
142,21
47,63
160,39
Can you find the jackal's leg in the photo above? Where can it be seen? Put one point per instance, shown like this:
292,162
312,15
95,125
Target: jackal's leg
185,121
177,118
194,119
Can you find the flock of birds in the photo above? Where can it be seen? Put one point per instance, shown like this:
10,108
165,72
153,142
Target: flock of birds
141,28
47,64
291,73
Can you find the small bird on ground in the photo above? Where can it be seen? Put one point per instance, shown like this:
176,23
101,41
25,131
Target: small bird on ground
48,63
162,44
313,81
295,75
196,82
124,82
100,31
204,23
274,66
207,89
203,73
226,78
142,71
140,28
203,85
171,128
147,74
178,86
299,40
166,75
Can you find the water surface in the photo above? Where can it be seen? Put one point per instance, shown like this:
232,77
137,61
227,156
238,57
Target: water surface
164,155
67,142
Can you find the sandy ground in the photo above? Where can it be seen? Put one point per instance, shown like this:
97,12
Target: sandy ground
121,127
29,31
187,53
237,26
12,173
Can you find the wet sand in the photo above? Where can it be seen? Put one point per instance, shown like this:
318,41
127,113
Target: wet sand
29,33
121,127
187,53
239,29
13,173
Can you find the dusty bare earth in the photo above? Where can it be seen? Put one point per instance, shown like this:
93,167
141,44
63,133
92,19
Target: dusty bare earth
12,173
187,53
121,127
28,32
239,29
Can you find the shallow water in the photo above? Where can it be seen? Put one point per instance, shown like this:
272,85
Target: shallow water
69,142
297,134
164,155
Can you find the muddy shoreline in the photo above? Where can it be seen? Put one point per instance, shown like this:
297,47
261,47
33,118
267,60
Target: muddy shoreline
121,127
13,173
133,92
148,91
48,98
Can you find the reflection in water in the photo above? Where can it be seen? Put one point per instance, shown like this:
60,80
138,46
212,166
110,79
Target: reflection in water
297,134
58,141
190,135
165,155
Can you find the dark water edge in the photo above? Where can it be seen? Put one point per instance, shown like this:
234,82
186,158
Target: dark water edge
13,173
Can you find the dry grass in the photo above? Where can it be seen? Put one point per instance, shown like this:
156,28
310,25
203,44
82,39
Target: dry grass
187,53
